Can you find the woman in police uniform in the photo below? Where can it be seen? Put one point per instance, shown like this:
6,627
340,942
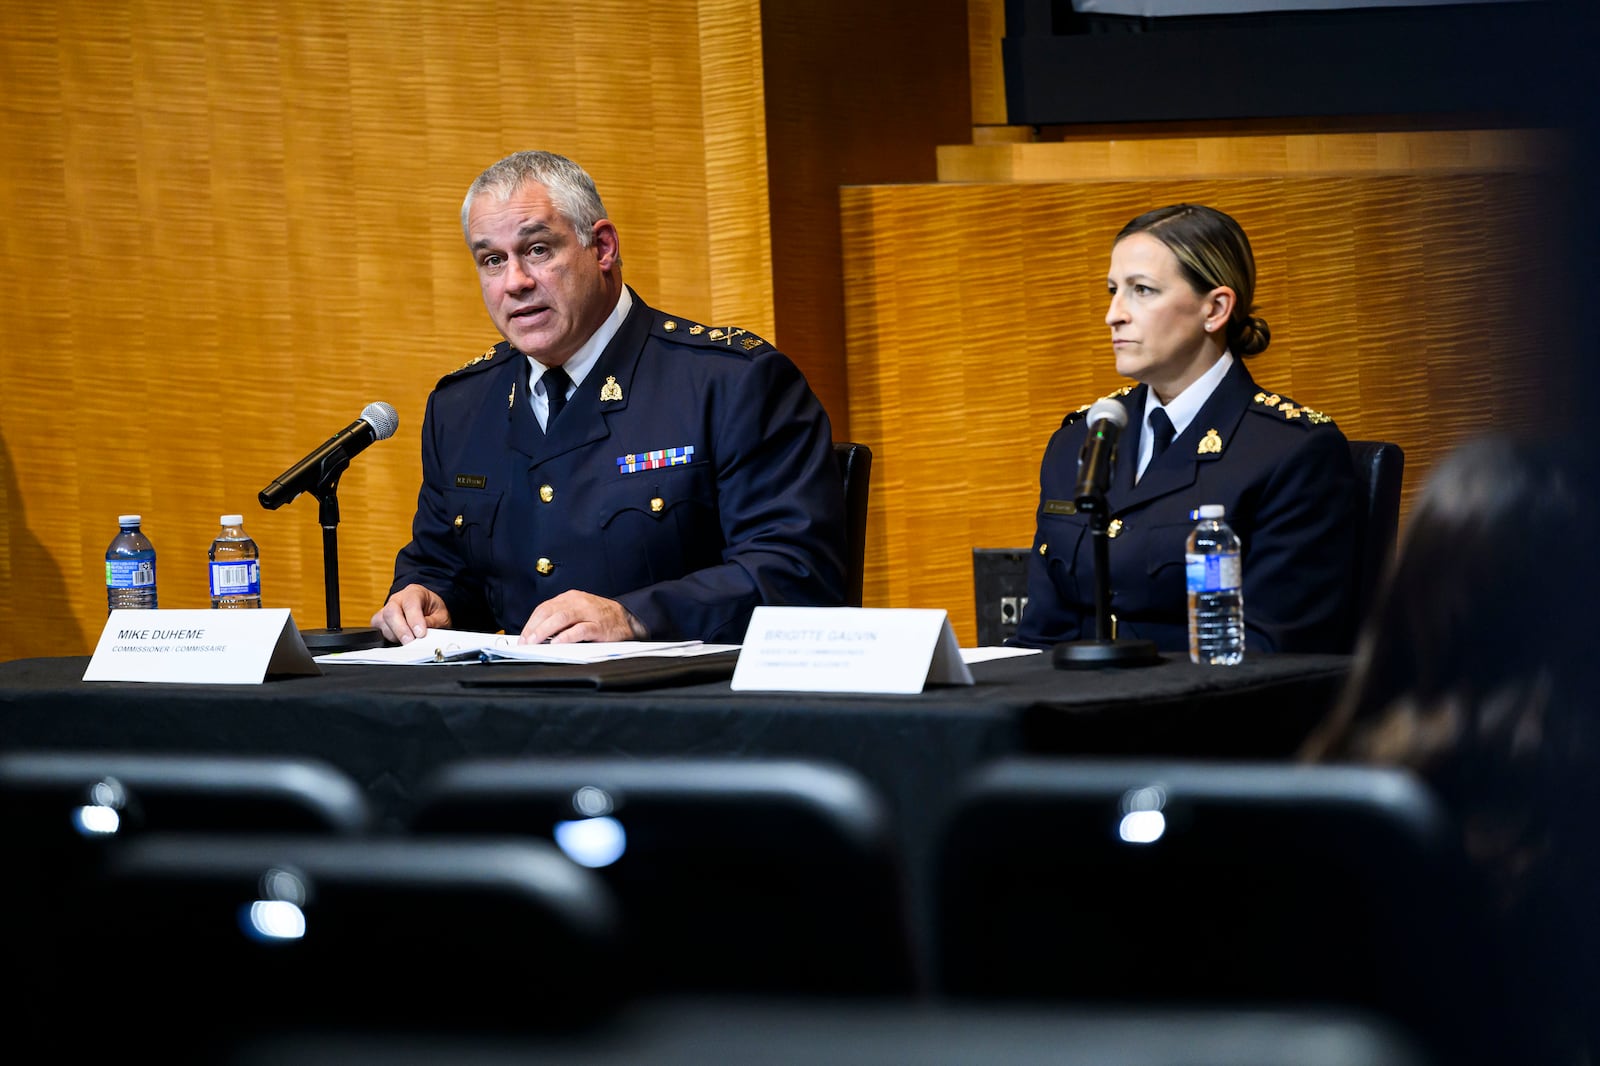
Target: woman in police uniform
1182,285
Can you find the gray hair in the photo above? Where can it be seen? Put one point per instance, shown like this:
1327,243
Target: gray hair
571,189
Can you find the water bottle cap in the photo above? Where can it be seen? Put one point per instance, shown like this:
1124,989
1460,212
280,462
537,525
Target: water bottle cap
1212,510
233,519
129,519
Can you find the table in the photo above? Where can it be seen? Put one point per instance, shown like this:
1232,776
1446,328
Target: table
390,726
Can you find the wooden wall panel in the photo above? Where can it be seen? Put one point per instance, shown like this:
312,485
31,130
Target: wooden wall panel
986,27
856,94
228,229
975,318
1202,150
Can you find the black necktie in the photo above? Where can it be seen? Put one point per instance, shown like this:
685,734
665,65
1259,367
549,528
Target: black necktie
555,391
1161,432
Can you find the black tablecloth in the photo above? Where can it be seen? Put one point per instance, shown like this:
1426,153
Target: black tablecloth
389,726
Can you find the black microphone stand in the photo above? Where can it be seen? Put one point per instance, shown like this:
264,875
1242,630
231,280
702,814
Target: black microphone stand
334,638
1104,650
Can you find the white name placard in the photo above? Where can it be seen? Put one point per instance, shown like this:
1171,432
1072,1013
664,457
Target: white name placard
201,647
848,649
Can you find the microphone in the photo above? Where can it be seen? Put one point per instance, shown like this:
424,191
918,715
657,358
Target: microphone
378,421
1107,419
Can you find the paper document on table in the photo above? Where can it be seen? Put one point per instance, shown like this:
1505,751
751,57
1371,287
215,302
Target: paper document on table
456,646
983,655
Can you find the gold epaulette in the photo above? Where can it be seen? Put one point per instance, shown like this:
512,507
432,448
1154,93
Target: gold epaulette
1115,394
709,336
474,361
1272,403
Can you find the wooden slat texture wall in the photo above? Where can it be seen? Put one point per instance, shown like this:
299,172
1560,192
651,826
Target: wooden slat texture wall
1215,154
1405,306
229,227
986,27
845,108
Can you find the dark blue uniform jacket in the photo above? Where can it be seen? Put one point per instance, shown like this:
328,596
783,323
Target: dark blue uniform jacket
690,477
1285,475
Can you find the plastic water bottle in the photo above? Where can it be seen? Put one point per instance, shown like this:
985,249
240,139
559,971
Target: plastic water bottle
235,566
130,568
1216,591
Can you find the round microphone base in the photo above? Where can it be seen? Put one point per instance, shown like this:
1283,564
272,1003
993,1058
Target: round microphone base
1092,654
328,641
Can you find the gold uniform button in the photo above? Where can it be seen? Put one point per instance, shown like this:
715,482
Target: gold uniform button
544,566
669,325
656,504
460,521
1044,549
546,493
1114,529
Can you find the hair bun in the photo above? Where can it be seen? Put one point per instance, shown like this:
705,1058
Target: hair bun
1251,337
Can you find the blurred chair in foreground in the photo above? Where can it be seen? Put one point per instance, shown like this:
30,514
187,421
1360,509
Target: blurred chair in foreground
94,793
806,1032
1208,884
188,944
64,809
733,875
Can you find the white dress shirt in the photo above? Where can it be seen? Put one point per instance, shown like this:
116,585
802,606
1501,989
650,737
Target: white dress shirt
1181,410
582,360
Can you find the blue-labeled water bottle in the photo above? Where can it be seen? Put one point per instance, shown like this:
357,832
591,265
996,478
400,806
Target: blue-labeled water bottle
1216,590
130,568
235,566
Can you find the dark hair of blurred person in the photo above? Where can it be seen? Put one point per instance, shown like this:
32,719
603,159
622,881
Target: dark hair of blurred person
1472,671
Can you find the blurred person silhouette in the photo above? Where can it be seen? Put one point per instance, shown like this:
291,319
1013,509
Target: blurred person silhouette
1471,671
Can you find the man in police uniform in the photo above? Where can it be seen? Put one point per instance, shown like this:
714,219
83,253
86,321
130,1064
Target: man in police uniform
608,472
1182,284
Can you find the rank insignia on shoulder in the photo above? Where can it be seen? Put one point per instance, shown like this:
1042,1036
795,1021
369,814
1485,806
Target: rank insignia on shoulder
610,390
1290,410
474,361
1210,444
725,336
746,340
1114,394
